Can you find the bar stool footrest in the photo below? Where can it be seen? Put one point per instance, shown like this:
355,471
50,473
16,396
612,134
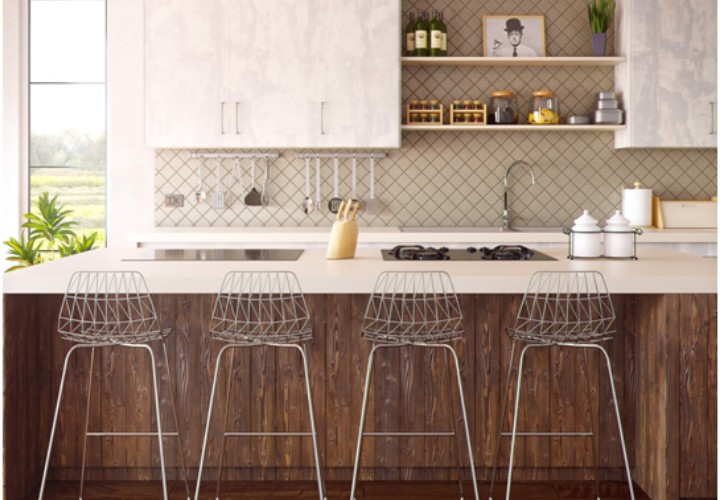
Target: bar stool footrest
548,434
411,434
132,434
246,434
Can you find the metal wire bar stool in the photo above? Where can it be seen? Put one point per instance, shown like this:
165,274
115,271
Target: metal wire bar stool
561,309
254,309
112,309
418,309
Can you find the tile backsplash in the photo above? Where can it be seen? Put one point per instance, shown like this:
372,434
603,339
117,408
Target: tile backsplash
455,178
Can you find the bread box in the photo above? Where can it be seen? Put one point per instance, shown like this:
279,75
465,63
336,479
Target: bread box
685,214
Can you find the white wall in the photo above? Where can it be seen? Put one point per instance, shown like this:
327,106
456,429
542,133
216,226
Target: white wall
130,181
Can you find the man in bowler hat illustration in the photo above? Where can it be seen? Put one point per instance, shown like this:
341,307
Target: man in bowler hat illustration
514,47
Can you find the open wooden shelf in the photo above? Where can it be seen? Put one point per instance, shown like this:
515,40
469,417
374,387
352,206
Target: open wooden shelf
512,61
514,128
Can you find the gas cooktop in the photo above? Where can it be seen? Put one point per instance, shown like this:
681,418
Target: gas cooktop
500,252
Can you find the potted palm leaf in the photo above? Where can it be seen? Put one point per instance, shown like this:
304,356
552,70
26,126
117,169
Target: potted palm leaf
600,15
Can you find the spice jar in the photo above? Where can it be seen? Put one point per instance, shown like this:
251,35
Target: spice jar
585,237
505,107
545,108
619,237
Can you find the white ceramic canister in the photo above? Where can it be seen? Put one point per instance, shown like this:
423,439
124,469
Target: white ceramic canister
637,206
619,237
586,241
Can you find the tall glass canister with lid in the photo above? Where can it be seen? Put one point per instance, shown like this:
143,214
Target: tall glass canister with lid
504,107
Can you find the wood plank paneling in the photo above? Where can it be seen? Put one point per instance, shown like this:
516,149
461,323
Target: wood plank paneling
664,357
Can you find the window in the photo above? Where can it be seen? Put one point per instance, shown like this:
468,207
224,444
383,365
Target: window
67,107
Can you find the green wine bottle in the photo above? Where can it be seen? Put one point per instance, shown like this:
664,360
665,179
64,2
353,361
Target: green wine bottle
421,35
435,35
443,27
410,36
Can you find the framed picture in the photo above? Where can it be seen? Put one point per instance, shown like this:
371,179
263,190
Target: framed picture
514,36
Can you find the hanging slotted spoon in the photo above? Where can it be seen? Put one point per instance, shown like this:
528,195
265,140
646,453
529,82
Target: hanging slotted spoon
200,194
253,198
218,198
307,204
334,203
371,206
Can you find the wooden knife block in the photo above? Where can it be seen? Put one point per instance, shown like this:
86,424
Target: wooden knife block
343,240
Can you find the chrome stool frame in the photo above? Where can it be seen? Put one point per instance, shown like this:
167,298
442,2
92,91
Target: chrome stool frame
256,309
561,309
112,309
413,309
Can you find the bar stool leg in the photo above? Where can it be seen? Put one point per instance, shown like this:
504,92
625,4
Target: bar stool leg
596,460
87,421
506,394
458,441
209,417
617,416
177,422
316,450
465,419
363,411
225,418
55,419
515,419
156,394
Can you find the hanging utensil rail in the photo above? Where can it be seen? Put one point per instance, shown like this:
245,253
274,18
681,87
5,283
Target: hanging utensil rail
377,156
259,154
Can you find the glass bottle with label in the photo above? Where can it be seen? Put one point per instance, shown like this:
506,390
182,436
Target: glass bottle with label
443,27
421,35
435,35
410,36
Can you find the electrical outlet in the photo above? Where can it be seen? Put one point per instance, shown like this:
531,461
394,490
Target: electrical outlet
174,200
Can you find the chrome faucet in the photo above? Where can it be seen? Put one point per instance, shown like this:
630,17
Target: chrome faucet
506,214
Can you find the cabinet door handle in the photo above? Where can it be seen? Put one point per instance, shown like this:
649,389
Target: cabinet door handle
322,117
712,118
237,118
222,117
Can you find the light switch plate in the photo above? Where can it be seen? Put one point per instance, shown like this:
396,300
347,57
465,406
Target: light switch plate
174,200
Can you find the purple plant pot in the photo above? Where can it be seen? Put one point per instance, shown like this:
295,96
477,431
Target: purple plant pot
598,44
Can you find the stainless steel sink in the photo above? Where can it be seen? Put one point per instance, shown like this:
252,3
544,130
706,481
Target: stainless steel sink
481,229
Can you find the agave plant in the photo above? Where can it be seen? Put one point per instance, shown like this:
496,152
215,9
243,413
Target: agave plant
49,234
600,15
51,223
26,252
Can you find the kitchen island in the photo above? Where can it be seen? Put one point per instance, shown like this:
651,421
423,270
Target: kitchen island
664,356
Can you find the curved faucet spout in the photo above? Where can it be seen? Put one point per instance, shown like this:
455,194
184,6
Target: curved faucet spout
506,213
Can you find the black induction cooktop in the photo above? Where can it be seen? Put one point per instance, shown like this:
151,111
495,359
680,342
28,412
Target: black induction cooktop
500,252
218,254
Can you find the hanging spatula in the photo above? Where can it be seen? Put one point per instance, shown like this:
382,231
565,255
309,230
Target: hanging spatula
254,197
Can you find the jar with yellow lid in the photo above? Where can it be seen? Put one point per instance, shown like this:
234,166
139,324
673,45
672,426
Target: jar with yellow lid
545,108
504,107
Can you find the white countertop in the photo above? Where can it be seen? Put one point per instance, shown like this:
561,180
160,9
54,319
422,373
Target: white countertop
309,237
656,271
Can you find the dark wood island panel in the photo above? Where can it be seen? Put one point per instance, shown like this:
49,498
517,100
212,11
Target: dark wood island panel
664,357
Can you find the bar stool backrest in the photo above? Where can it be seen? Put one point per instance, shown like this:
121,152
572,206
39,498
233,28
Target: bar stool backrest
565,307
257,307
107,306
410,307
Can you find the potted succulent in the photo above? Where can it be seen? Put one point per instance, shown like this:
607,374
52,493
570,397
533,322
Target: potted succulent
600,15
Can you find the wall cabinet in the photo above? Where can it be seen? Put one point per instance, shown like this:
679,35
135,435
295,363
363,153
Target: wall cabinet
273,73
669,82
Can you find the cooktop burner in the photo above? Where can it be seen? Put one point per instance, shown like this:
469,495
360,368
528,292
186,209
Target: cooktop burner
500,252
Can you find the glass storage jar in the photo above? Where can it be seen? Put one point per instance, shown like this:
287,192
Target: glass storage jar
545,108
504,107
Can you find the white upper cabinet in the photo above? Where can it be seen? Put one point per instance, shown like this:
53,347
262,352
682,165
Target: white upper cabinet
669,82
182,92
357,73
287,74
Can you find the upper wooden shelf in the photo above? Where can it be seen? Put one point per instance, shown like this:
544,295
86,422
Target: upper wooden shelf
512,61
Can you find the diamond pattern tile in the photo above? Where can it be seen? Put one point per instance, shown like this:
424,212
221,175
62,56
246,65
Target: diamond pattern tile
455,179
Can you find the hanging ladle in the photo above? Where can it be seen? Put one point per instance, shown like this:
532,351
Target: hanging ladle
253,198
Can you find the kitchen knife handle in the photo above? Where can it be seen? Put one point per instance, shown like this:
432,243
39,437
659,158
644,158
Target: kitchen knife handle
712,118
